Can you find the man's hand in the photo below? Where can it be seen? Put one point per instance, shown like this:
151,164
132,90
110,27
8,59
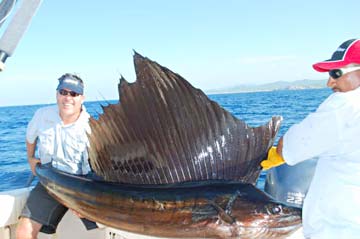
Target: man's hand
33,162
274,159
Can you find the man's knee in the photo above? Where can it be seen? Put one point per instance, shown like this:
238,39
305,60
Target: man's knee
27,229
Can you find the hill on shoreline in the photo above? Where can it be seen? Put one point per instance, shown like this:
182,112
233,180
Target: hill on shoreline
278,85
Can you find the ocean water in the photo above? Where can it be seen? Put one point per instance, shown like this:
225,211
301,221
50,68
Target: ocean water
254,108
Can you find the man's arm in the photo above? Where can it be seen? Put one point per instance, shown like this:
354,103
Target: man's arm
30,148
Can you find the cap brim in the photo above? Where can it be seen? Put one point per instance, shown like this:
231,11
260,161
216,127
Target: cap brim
71,87
325,66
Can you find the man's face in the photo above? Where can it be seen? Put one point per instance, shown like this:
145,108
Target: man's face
69,103
347,82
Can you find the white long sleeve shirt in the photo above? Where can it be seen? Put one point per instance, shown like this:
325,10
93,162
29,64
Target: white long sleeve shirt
65,146
332,205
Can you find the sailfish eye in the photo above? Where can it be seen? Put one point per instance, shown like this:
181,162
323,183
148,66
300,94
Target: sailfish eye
276,210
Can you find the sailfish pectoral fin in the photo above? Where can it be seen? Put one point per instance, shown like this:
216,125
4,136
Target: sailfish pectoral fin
231,201
223,215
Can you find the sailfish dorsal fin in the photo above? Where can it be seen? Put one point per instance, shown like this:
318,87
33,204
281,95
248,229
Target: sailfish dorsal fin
163,131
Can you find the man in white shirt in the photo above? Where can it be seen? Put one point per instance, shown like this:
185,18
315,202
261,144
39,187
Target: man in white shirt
60,133
331,208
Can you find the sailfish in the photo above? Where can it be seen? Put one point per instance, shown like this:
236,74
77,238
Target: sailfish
173,163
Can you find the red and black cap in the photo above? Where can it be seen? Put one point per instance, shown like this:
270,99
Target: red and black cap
347,53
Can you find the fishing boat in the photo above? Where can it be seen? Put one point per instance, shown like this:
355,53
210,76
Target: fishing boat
66,187
12,202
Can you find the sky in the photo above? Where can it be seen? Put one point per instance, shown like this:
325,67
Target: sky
211,43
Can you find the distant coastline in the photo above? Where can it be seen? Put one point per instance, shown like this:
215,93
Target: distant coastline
278,85
243,88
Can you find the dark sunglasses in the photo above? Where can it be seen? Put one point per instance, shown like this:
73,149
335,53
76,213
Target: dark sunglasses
337,73
71,93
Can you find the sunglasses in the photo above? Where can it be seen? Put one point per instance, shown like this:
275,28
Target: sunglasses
337,73
71,93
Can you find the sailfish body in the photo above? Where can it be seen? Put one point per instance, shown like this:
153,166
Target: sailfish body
174,164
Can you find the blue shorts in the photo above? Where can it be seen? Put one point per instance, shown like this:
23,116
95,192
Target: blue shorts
44,209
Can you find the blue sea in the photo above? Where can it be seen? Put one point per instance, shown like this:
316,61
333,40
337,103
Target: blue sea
254,108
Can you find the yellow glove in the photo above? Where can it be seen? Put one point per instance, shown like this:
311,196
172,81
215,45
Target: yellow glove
274,159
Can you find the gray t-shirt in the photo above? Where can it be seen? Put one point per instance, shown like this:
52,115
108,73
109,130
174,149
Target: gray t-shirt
65,146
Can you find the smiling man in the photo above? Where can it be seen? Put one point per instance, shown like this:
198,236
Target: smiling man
331,209
60,134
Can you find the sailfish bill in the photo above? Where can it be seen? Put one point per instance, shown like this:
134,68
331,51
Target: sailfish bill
174,164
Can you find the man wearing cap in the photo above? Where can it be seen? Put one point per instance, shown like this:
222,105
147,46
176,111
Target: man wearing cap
60,134
332,205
